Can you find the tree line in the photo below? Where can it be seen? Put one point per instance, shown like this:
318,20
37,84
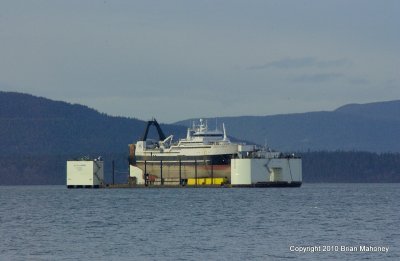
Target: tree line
350,166
318,166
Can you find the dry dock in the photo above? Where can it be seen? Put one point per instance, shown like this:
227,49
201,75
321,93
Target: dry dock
245,172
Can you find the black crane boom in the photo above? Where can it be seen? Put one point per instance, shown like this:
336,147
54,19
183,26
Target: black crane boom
160,132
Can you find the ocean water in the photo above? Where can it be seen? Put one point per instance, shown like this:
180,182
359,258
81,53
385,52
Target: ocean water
314,222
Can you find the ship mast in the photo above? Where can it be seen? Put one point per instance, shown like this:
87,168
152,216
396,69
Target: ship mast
223,127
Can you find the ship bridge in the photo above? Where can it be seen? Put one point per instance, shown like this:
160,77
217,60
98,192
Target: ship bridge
201,134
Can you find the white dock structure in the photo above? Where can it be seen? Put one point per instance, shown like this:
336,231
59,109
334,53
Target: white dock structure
266,172
85,173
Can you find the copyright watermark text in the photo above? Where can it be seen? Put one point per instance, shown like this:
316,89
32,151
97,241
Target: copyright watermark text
339,248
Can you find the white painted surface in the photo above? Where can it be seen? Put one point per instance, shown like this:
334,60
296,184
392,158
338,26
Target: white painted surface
285,169
137,173
252,171
85,173
240,171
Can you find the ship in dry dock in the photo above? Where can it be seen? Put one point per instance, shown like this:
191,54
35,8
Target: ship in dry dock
208,157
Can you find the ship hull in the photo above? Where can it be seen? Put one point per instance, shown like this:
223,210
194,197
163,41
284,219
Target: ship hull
174,171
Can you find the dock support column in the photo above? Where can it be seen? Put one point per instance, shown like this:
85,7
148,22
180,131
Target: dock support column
113,171
212,171
180,172
146,177
162,180
195,171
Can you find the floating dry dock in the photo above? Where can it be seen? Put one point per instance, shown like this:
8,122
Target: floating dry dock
208,154
261,172
204,158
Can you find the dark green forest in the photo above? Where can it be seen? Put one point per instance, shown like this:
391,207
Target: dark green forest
350,166
38,136
51,169
322,166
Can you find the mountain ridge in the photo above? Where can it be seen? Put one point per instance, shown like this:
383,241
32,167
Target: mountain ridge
388,110
35,125
350,127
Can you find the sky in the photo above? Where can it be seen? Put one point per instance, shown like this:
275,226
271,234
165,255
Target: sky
175,60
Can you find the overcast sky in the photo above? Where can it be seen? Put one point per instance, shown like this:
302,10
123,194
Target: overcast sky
175,60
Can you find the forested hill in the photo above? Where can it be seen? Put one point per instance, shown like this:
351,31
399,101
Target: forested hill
389,110
32,125
38,135
35,125
373,127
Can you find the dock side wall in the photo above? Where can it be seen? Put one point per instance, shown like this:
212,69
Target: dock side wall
275,170
84,173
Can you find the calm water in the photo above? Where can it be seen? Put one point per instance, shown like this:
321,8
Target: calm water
51,222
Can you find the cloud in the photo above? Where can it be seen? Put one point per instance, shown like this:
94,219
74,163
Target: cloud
358,81
333,63
317,77
293,63
286,63
330,76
